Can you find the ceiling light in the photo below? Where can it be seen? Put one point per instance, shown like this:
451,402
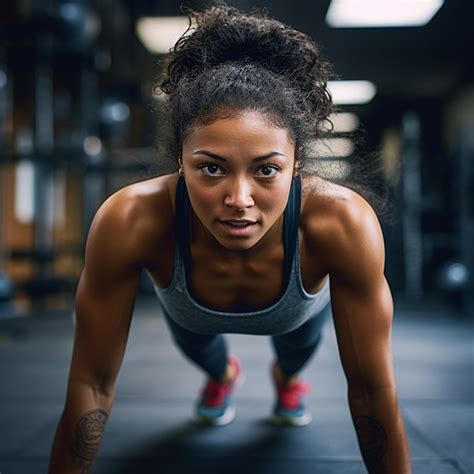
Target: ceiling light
381,13
159,34
343,122
352,92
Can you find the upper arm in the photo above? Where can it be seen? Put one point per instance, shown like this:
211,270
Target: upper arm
105,297
361,299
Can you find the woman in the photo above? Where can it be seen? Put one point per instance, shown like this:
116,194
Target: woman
240,240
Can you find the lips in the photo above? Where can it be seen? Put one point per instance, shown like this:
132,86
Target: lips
240,222
238,227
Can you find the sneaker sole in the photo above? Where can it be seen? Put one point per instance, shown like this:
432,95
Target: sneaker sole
225,419
288,421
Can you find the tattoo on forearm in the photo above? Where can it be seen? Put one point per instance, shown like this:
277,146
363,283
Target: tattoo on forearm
86,442
373,443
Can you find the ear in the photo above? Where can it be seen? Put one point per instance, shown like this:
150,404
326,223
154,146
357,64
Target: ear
295,168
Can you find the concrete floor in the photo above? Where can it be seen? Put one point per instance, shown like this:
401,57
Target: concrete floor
150,428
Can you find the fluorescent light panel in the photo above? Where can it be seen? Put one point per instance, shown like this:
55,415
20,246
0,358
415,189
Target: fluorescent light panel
352,92
159,34
381,13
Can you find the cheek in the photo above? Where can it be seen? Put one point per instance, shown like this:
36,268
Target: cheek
203,199
271,202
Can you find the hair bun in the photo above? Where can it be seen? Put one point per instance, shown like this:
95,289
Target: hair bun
223,34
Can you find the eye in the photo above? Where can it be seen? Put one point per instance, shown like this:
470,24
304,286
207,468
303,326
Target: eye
269,171
211,169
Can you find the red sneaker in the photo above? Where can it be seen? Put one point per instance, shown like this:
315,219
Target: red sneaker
289,408
216,405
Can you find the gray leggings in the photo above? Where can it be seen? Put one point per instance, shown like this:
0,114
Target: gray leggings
293,349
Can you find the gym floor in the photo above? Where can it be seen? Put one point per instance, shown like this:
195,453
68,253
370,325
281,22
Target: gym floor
150,429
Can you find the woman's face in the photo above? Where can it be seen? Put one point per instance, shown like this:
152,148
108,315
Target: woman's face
238,172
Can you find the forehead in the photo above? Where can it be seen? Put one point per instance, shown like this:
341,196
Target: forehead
248,129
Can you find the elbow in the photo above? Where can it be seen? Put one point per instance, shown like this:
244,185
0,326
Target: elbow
104,384
104,391
100,391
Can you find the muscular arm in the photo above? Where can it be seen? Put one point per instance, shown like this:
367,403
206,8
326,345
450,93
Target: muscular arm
363,309
104,305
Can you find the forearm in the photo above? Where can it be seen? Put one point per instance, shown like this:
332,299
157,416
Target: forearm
79,432
380,431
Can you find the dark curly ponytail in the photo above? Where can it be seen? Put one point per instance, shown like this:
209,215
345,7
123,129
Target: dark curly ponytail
230,61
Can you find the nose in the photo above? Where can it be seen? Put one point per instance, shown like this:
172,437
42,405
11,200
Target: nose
239,194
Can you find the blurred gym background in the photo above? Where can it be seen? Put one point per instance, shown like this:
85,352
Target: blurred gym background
76,124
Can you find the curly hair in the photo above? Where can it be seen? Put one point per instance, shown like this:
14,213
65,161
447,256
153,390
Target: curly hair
229,61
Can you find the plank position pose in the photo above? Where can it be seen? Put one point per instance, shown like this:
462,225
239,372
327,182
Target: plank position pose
240,240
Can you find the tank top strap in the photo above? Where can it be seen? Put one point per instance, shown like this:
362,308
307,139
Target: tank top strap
291,225
183,222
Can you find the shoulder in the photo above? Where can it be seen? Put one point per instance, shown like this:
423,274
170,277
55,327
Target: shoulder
342,230
134,217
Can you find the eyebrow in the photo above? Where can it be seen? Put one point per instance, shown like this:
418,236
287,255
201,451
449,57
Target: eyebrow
221,158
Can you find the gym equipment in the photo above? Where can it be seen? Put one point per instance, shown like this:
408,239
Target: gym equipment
464,179
5,107
6,288
6,295
65,29
412,206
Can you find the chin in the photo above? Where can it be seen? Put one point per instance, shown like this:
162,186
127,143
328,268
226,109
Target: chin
239,244
236,244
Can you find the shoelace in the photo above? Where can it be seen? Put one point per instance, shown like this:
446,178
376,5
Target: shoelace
289,394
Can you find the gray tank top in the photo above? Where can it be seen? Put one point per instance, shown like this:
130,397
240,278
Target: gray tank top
293,308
